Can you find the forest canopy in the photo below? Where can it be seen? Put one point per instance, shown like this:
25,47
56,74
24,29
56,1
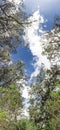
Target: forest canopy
44,101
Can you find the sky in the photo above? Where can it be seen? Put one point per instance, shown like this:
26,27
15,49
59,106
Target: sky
43,11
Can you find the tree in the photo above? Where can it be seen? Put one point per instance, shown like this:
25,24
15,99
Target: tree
11,104
52,108
25,124
11,73
10,24
11,28
45,97
4,118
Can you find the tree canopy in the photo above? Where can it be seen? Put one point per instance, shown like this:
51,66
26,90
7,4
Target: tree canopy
11,28
45,101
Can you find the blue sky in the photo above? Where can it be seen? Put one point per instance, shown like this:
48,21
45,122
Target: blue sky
43,11
46,10
24,54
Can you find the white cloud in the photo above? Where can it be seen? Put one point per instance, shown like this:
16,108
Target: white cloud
26,113
25,89
36,41
25,92
10,63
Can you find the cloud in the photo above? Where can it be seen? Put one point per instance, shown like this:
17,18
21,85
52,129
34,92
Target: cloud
34,36
25,92
26,113
25,88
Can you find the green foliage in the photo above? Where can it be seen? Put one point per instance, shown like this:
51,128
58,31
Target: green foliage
11,100
57,84
52,107
4,119
11,73
11,28
3,114
10,24
23,124
45,96
26,124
